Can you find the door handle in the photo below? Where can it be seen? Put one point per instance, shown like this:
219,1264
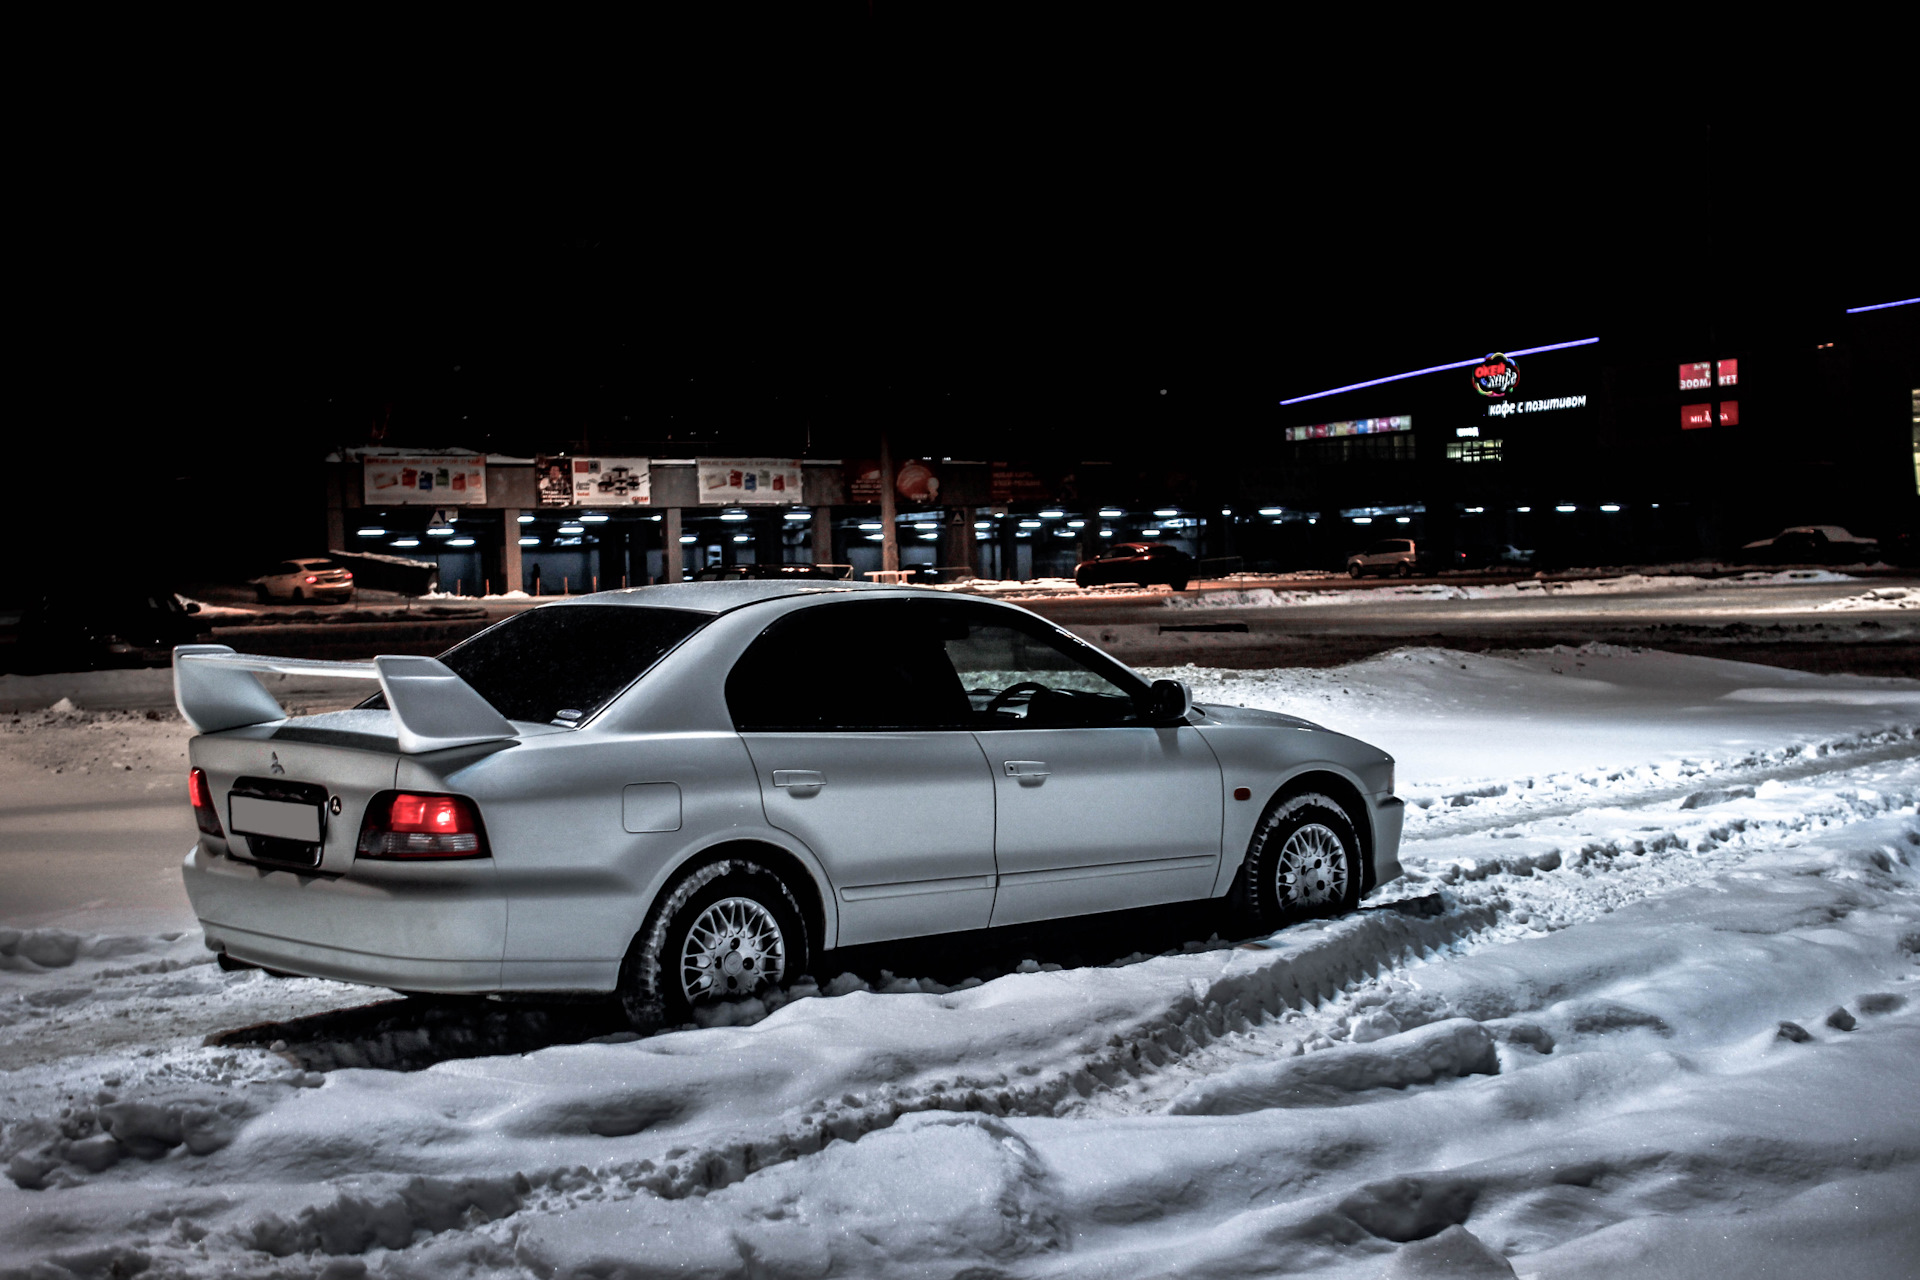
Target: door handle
1028,769
799,778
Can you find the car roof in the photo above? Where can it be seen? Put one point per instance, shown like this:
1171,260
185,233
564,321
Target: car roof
720,597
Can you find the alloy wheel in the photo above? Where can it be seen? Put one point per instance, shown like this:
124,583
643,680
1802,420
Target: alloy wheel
733,947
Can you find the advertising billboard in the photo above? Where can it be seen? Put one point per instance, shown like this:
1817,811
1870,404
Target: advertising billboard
1729,371
593,482
1729,413
1695,416
435,482
746,481
1696,375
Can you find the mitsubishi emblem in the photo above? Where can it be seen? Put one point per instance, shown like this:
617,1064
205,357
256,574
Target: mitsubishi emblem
276,766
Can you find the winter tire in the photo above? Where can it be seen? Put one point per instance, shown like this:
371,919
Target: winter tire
1303,862
726,930
1406,570
1353,571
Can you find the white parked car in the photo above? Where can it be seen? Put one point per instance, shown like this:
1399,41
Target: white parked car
314,578
682,793
1388,556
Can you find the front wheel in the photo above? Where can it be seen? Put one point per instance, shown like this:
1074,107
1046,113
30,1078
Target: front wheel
1353,571
1406,570
727,930
1303,861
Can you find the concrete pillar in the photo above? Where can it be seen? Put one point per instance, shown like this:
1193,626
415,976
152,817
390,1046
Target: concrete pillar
959,550
336,504
672,558
823,535
510,550
889,531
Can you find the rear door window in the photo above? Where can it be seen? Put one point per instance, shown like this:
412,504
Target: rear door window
848,666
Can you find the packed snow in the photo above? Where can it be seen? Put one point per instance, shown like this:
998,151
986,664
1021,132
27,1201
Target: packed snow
1525,588
1645,1003
1877,599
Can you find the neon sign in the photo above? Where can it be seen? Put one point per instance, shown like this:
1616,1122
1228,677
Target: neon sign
1508,408
1496,376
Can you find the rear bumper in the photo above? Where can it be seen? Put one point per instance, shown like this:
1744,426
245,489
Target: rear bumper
413,927
1389,813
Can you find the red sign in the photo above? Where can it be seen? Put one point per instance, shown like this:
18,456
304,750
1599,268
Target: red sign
1729,373
1696,375
1694,416
1729,413
1497,376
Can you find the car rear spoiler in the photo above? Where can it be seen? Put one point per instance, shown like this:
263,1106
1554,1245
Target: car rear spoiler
432,707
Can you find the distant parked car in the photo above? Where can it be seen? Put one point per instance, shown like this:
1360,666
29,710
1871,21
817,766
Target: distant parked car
1389,556
314,578
1143,562
91,629
1501,555
1812,544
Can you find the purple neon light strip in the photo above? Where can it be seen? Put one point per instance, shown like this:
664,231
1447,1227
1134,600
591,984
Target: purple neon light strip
1882,306
1441,368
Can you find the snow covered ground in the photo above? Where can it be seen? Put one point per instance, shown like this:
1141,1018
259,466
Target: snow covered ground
1645,1004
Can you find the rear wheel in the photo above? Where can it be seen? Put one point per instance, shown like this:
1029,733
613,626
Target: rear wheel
1303,862
1178,584
1406,570
1353,571
724,931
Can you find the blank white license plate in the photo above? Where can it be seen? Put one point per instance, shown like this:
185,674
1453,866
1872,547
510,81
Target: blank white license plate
253,816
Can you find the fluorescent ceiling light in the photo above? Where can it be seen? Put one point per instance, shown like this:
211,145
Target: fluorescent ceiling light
1164,512
573,528
1565,506
1440,368
372,531
1523,510
529,542
1609,506
1403,519
1272,511
461,542
1052,515
595,517
1076,524
524,519
1029,524
686,538
733,515
440,531
1111,513
406,542
1363,519
1106,533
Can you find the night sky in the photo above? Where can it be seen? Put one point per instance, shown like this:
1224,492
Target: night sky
1083,269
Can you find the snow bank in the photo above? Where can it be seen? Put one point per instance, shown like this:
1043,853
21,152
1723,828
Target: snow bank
1269,597
1878,599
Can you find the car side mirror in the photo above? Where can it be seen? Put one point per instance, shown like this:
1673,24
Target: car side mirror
1168,702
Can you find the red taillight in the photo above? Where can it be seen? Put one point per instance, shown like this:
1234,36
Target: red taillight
401,824
311,578
205,814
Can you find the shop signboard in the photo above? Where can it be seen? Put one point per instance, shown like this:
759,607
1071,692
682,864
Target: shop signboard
1009,482
438,482
1695,416
1507,408
916,481
1497,376
744,481
1729,371
1355,427
593,482
1729,413
1696,375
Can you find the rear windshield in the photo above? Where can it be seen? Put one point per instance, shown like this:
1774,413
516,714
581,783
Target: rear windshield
574,657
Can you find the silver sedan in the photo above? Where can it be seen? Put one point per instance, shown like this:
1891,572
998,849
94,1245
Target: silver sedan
682,794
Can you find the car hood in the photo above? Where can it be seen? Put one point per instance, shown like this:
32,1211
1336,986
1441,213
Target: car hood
1249,716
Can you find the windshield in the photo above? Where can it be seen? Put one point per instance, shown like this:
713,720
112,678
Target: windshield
574,658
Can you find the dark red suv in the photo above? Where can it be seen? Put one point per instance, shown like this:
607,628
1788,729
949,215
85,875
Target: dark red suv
1142,562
